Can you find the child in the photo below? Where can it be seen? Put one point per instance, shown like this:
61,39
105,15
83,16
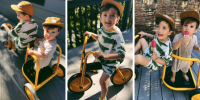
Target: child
111,42
155,60
183,44
47,47
25,31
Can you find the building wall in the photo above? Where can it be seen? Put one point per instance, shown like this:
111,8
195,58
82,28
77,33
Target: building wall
51,8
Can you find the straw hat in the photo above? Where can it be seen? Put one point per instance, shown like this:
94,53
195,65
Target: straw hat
169,19
23,6
117,4
53,21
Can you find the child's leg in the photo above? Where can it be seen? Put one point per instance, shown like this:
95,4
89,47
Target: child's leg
185,76
173,77
142,43
104,87
9,42
142,60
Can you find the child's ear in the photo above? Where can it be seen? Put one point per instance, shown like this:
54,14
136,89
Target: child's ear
170,32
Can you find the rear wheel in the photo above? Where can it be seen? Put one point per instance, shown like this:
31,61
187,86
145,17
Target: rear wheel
195,94
116,78
60,69
191,63
74,83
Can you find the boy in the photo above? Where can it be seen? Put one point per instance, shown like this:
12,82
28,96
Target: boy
111,42
183,44
155,60
47,47
25,31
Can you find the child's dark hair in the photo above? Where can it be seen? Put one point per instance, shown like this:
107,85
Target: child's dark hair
159,19
188,20
23,13
107,7
52,27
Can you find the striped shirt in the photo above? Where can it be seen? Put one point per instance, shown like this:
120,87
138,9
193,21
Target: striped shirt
163,51
111,42
23,34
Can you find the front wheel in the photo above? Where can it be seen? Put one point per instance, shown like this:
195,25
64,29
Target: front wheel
60,69
116,78
194,94
74,83
30,91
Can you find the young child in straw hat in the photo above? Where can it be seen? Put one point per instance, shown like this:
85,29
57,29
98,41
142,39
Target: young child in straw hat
48,45
183,44
25,31
111,42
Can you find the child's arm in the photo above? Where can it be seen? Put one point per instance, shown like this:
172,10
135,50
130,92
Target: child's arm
91,34
36,53
177,44
145,34
158,60
196,47
112,56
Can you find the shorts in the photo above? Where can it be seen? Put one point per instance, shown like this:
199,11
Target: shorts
152,65
108,70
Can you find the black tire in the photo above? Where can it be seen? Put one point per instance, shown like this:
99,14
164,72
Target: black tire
136,74
28,88
73,83
117,80
194,93
62,74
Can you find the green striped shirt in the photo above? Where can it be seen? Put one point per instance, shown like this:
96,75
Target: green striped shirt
111,42
23,34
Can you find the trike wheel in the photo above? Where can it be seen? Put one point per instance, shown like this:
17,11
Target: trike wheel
136,74
195,94
116,78
191,63
30,91
74,83
61,70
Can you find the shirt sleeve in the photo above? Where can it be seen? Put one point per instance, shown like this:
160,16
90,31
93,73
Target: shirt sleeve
16,31
50,49
120,47
176,38
195,38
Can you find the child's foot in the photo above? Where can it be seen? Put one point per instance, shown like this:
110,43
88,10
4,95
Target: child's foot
5,44
102,99
172,79
186,77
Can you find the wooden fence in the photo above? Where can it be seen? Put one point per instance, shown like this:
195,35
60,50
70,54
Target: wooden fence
83,15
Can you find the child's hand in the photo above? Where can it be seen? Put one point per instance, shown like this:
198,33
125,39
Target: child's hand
88,34
142,33
185,39
199,50
98,54
3,25
154,56
30,52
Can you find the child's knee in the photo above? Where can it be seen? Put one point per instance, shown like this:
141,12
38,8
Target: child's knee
103,83
138,59
142,40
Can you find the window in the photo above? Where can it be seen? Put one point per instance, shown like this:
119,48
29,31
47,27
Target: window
40,2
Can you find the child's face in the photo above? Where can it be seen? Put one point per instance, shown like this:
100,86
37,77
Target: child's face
162,31
109,18
21,17
190,27
50,34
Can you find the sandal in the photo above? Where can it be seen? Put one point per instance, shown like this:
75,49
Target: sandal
5,44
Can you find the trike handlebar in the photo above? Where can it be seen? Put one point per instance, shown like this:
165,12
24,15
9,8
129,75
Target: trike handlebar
11,27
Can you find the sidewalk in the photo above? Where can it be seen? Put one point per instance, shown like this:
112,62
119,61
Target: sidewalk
123,92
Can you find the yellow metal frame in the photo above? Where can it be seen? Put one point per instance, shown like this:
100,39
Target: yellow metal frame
84,60
36,86
195,83
185,59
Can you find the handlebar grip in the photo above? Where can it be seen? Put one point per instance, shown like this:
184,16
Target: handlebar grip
101,59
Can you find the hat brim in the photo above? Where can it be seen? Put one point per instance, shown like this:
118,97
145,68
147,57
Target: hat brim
169,19
16,8
193,14
117,4
57,24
